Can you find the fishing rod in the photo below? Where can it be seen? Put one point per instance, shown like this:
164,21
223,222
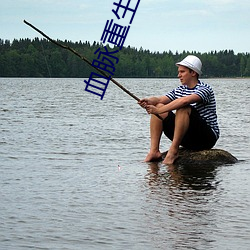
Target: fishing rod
87,61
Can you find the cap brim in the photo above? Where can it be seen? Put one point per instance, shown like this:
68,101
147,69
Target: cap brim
187,65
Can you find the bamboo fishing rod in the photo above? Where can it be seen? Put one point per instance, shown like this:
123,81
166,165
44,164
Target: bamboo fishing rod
85,60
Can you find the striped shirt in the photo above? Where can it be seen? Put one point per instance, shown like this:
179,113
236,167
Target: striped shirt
206,108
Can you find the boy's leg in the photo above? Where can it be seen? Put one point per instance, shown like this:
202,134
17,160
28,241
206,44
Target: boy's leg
199,135
156,128
181,127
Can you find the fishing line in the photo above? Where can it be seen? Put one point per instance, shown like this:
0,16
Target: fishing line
87,61
45,58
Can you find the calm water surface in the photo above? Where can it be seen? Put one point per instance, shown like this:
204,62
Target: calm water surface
72,176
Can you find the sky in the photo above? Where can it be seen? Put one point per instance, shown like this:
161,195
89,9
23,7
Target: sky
158,25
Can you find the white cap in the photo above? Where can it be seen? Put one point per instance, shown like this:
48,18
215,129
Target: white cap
191,62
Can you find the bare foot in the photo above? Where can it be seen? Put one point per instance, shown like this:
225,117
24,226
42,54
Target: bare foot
153,156
170,157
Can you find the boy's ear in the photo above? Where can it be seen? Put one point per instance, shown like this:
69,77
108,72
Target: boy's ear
194,73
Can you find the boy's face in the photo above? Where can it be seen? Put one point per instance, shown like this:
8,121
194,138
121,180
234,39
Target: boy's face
185,75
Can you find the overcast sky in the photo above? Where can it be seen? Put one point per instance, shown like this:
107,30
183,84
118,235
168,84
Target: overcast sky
158,25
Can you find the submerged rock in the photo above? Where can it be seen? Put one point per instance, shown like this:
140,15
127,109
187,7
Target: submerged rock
204,157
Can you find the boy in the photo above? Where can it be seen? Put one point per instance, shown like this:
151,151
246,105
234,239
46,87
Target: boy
194,125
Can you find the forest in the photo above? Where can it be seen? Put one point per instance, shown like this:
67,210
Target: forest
41,58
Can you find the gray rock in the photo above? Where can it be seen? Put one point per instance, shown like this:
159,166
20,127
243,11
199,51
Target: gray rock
213,157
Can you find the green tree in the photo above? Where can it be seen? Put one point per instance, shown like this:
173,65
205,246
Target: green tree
41,58
247,69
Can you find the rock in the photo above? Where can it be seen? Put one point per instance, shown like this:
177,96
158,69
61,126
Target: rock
213,157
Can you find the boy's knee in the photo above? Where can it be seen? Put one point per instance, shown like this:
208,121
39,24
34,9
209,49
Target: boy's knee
159,105
184,110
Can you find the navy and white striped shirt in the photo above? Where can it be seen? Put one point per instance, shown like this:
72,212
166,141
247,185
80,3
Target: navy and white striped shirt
206,108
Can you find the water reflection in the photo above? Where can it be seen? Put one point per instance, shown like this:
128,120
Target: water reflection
183,177
183,198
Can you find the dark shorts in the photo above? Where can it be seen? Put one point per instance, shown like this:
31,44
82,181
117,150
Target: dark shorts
199,135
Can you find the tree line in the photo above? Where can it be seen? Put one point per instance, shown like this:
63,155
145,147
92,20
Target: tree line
41,58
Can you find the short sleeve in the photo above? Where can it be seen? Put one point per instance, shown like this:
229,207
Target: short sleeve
174,94
204,93
171,95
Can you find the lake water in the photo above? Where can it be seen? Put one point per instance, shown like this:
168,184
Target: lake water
72,176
